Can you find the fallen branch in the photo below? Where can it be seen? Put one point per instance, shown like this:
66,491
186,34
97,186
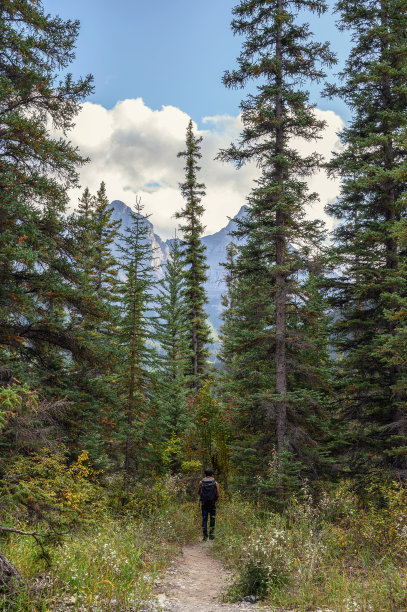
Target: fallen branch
33,534
26,533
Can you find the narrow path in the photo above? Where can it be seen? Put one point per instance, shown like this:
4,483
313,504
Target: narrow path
195,584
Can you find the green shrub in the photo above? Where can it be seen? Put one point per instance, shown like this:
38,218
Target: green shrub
263,566
114,559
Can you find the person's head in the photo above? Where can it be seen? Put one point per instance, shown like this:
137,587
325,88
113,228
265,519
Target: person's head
208,472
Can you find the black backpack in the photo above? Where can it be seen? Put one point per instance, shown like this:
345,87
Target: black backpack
208,492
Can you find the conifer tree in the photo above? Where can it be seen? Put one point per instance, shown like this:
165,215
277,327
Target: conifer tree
36,268
247,378
171,334
194,259
370,288
94,397
247,353
105,268
280,54
94,234
139,356
81,226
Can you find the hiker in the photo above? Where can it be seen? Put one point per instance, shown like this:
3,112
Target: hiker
208,494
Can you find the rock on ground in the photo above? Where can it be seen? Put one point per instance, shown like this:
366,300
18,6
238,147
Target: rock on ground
8,573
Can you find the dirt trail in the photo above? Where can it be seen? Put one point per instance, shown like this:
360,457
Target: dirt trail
195,583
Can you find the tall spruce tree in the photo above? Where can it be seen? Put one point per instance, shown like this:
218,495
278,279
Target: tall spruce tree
139,356
37,273
194,259
280,54
105,268
81,226
247,353
94,235
171,333
247,377
370,290
91,390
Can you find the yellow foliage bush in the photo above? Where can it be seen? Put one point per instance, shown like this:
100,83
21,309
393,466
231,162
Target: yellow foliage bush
44,490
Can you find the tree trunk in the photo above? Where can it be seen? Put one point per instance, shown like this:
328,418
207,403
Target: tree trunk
128,462
280,241
195,350
392,251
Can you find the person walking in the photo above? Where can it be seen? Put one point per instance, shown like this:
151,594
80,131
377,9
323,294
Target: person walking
208,494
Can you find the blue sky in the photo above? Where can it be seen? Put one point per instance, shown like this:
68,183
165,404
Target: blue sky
169,52
156,63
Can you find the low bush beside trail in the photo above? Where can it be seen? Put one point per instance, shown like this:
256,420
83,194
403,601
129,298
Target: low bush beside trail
113,564
110,559
333,551
337,553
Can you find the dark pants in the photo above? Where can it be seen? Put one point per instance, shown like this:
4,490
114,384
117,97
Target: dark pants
211,511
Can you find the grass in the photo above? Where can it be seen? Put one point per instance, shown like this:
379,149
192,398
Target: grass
111,565
334,555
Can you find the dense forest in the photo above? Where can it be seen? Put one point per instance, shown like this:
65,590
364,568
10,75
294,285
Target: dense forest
111,402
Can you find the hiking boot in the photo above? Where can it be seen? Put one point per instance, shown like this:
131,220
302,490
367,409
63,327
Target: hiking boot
205,539
211,537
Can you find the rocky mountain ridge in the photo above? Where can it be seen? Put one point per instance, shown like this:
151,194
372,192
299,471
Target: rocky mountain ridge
215,251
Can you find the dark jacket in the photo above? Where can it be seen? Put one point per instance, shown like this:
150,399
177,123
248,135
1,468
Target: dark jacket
217,486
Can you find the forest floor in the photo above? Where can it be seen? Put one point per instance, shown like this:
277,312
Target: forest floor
196,583
330,556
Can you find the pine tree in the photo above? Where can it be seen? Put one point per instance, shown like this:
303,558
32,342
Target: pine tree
280,54
194,259
247,353
369,293
36,262
139,356
247,378
81,226
171,333
94,236
105,269
38,281
91,389
95,243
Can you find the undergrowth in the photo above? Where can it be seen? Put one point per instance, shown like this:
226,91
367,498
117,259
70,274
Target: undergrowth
110,564
335,553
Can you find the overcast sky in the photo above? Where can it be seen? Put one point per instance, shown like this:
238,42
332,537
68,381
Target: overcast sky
156,64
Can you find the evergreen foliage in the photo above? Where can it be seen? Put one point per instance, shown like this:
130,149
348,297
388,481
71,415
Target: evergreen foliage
37,272
194,259
369,291
90,388
105,269
266,339
171,334
143,424
94,234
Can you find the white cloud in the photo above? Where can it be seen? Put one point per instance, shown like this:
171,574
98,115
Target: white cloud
134,150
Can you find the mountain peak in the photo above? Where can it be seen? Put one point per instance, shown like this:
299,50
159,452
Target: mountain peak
122,211
119,206
216,245
240,215
242,212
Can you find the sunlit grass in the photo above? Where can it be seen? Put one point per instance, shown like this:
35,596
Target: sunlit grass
114,564
327,556
331,555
